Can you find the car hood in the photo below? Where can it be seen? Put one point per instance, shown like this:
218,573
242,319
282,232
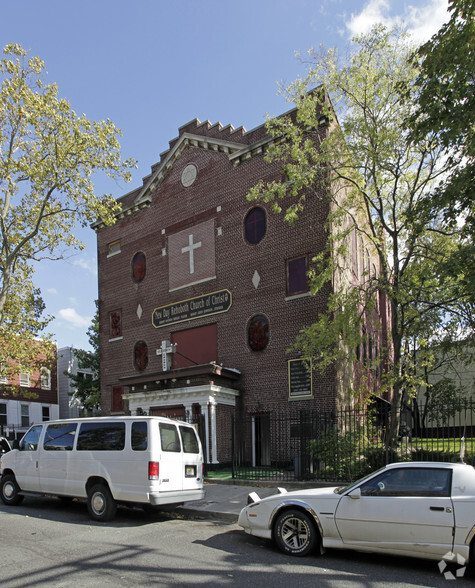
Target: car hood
310,494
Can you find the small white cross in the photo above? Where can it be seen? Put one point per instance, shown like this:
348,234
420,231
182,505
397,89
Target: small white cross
190,249
166,351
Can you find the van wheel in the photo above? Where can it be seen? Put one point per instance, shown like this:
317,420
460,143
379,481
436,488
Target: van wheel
10,491
100,504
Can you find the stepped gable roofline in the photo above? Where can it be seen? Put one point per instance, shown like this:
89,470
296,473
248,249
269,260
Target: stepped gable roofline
240,145
204,135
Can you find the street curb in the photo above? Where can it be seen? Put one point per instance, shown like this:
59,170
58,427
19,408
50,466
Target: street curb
293,484
195,513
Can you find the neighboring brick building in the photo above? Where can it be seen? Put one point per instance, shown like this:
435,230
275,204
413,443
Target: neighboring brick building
195,276
28,397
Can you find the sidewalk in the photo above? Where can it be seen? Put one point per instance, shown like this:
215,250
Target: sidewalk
224,501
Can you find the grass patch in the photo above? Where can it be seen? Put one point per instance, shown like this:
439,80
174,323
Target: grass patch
222,474
244,473
442,445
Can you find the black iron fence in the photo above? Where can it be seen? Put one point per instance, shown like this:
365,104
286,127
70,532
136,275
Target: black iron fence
347,444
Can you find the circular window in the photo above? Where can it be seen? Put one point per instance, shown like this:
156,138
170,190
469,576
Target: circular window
141,355
255,225
258,332
188,175
139,267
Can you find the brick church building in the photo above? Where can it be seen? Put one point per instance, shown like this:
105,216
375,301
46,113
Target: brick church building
202,292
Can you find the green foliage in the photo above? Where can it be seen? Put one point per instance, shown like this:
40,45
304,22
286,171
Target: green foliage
48,159
346,144
88,390
338,454
445,112
377,457
443,402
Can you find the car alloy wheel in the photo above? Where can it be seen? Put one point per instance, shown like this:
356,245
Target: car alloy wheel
295,533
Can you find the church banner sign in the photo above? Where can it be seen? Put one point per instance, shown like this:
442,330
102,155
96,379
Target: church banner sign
193,308
300,379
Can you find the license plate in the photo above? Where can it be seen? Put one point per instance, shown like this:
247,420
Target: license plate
190,471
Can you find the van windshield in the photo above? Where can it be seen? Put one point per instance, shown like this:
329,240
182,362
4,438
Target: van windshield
29,441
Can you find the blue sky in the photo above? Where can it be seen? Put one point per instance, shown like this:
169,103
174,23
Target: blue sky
153,65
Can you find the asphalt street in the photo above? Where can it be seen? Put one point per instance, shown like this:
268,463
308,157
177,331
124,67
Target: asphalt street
46,542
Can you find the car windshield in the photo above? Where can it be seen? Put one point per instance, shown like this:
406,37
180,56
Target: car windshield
343,489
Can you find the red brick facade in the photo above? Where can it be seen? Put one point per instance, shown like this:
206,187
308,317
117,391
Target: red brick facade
210,195
31,396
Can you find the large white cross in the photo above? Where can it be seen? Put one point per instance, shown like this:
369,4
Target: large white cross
166,351
190,248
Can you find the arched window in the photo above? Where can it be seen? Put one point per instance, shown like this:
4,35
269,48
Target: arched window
139,267
255,225
258,332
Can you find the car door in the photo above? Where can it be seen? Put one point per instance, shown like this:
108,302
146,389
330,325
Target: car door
26,468
400,510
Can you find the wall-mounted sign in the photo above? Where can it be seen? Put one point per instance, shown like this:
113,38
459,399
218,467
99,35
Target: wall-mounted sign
300,379
193,308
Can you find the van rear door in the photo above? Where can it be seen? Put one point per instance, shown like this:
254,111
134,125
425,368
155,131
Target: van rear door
171,459
192,458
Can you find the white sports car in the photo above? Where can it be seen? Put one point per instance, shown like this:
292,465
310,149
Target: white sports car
418,509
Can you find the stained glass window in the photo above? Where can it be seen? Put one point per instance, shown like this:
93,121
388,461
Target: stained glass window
258,332
139,267
115,324
141,355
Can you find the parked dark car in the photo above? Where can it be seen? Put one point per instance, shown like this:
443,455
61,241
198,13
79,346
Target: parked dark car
4,445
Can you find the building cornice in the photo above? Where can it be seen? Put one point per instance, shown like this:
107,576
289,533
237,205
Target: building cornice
209,369
203,394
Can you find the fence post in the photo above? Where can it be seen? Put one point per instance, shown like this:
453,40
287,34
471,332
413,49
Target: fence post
233,432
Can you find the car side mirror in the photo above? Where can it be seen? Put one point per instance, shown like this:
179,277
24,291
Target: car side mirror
16,444
355,494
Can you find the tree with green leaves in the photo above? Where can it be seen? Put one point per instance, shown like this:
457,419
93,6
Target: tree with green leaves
375,179
48,158
87,390
444,110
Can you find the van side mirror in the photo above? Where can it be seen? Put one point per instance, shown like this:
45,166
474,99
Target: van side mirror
16,444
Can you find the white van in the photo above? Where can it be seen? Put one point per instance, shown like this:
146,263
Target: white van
139,460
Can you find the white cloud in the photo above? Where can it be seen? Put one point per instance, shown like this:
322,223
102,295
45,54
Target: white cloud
421,19
88,264
52,291
71,316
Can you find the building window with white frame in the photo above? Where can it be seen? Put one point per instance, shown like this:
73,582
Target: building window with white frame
45,379
45,413
3,413
3,376
25,415
24,379
113,248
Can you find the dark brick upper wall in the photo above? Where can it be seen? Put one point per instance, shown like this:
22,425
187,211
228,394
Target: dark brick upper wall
264,382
